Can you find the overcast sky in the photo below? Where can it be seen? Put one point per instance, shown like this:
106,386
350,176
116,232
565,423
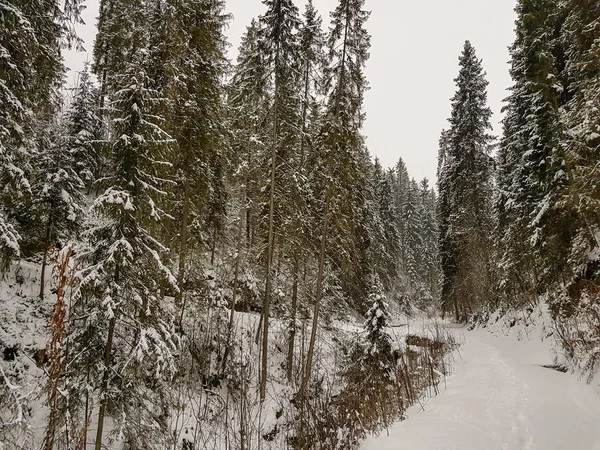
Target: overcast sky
414,60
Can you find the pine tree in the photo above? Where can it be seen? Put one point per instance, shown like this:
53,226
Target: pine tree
465,192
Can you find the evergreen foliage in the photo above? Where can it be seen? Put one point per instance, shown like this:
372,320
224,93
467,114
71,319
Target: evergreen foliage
547,197
214,191
83,129
123,273
465,187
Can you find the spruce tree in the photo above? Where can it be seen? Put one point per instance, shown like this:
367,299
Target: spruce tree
57,200
336,164
429,234
342,144
370,375
377,321
465,193
573,293
413,241
582,196
119,32
277,41
530,175
312,55
400,190
247,105
124,324
83,129
123,273
31,33
312,59
187,66
385,238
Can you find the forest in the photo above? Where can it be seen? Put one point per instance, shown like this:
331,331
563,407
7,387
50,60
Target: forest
199,253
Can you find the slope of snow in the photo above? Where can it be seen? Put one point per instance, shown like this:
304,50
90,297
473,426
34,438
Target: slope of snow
501,397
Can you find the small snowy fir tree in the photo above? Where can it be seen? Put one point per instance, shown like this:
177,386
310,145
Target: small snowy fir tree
376,323
57,205
369,400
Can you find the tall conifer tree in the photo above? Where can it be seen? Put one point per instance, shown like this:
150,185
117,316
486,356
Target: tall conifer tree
277,40
465,188
337,162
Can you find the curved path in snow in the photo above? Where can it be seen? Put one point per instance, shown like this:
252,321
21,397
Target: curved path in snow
500,397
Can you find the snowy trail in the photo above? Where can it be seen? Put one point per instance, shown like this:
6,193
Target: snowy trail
500,397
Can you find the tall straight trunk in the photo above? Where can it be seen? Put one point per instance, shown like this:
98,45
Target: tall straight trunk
292,331
45,257
318,297
248,203
304,114
105,377
259,329
292,336
271,243
456,313
235,289
86,424
183,247
214,244
268,282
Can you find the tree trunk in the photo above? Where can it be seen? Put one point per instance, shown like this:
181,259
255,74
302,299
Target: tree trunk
248,204
456,313
45,257
214,244
318,296
235,288
267,298
183,247
268,281
292,336
55,353
105,377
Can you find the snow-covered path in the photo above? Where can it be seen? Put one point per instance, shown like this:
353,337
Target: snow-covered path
500,397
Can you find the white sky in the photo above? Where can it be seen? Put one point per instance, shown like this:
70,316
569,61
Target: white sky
414,60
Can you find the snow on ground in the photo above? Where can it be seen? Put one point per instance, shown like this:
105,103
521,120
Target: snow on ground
501,397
